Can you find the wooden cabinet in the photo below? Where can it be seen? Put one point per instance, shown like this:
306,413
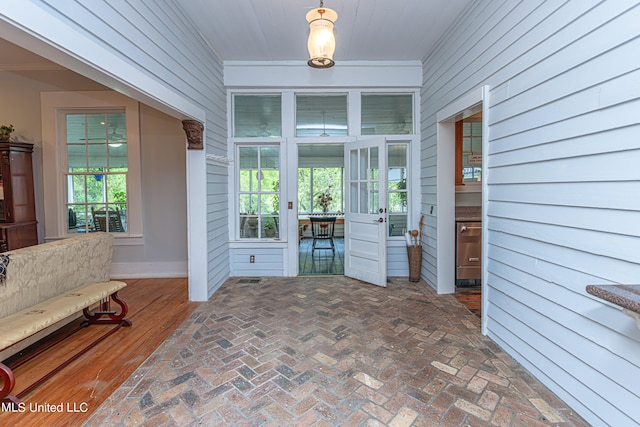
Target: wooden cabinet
18,225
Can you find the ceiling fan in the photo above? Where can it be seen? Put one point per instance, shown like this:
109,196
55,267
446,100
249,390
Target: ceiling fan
113,137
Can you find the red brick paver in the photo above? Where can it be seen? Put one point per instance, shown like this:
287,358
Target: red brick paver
329,351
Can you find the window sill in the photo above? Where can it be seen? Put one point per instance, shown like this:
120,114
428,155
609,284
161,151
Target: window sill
251,243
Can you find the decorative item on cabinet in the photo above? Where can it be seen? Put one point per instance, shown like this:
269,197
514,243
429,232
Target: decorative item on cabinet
18,225
5,132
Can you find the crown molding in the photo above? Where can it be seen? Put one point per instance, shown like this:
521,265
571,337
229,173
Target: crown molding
32,67
345,74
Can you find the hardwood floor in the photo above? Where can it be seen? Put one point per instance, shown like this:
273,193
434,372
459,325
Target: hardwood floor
324,261
471,297
156,307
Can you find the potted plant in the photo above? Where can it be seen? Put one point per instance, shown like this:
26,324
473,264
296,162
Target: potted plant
269,227
5,132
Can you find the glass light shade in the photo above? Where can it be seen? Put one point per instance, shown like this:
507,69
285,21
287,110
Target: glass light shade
321,43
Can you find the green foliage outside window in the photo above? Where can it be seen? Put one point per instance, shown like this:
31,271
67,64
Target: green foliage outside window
312,182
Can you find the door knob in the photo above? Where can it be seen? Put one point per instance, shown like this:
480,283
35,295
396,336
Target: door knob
378,220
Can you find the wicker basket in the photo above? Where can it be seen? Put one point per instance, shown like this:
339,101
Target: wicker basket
415,262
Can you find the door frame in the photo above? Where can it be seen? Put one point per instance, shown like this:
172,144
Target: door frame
289,188
445,199
292,264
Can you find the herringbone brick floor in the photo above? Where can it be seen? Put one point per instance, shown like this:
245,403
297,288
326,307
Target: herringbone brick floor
329,351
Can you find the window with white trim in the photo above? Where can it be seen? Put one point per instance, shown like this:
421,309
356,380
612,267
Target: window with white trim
259,191
97,167
91,164
397,188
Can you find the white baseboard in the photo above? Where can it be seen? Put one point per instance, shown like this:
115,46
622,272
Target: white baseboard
141,270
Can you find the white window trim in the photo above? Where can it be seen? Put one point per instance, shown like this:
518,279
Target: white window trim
235,223
55,105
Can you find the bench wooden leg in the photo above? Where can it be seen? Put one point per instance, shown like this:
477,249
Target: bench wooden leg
8,381
106,315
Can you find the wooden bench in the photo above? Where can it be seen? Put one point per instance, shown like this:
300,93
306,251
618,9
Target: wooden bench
45,287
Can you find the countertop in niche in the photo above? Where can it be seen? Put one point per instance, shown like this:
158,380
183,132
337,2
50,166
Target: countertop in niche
626,296
468,213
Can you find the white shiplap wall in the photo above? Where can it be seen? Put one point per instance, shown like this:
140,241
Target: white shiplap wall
561,173
151,52
217,224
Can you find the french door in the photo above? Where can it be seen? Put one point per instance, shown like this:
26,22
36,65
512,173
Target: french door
365,217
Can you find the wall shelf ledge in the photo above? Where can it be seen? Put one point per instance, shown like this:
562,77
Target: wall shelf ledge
626,296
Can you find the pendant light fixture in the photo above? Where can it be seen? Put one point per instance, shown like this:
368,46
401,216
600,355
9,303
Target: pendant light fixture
321,43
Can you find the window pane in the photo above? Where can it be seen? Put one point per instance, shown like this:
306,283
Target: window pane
373,171
270,226
248,203
77,218
117,157
76,188
364,201
397,224
269,158
397,202
77,158
364,163
248,157
96,188
320,115
97,156
373,198
248,168
353,159
249,227
270,180
117,190
269,203
304,190
117,128
257,116
96,128
387,114
247,180
471,149
354,197
76,131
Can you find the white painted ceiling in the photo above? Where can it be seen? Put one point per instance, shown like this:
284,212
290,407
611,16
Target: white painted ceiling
366,30
276,30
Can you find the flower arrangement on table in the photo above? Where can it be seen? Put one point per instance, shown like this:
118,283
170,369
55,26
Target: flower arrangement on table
324,200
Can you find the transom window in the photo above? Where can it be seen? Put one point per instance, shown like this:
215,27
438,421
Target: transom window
321,115
387,114
257,116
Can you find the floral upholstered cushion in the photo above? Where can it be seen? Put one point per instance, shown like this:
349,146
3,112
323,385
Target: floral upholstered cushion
38,273
27,322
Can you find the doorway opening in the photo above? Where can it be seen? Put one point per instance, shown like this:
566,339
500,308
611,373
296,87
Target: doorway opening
468,211
461,197
321,205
